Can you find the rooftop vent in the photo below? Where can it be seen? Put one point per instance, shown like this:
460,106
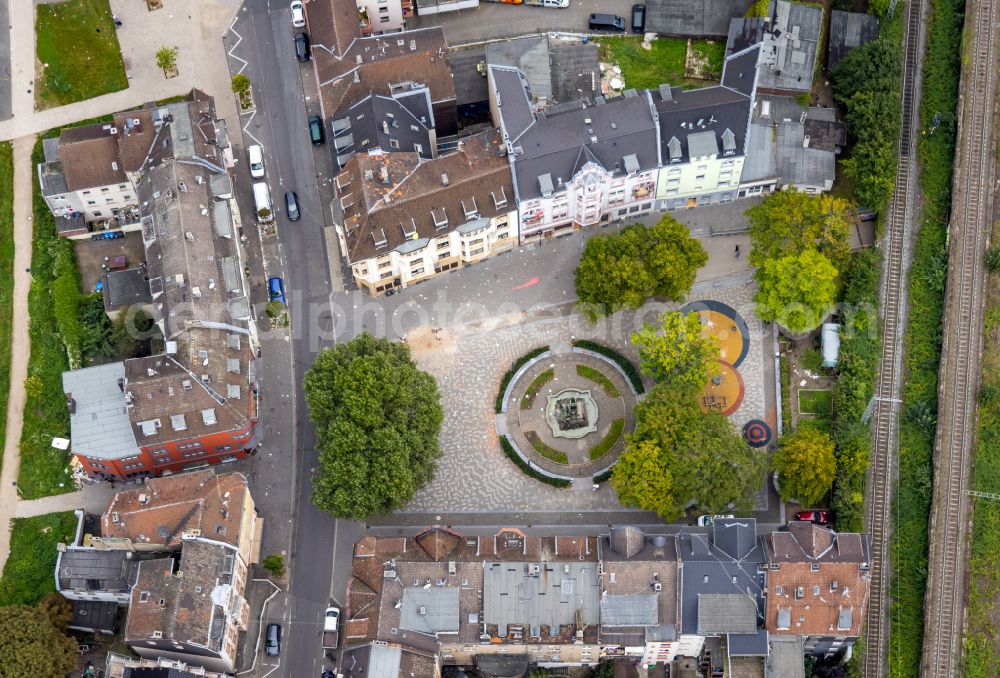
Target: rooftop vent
444,179
144,499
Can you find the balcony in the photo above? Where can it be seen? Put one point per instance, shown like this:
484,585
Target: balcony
407,7
364,22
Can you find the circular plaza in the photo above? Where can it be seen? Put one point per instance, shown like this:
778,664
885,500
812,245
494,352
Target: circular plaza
567,413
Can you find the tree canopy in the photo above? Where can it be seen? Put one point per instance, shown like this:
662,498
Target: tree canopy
33,643
676,352
623,270
806,465
377,420
678,455
790,222
796,291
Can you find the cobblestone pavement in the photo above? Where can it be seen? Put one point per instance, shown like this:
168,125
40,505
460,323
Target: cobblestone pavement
468,362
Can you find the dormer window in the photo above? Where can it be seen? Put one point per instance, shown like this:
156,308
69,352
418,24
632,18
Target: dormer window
501,200
471,212
440,218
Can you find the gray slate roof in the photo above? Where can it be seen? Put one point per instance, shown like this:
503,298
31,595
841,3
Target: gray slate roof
789,37
847,31
748,644
694,18
94,615
512,594
720,613
558,144
100,422
557,70
124,288
92,570
400,122
471,86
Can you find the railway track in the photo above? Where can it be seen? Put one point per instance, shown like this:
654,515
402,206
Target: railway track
887,388
971,221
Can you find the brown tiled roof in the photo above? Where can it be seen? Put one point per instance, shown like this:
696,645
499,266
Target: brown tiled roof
186,614
91,162
333,24
384,62
134,140
478,176
438,542
806,542
815,600
164,508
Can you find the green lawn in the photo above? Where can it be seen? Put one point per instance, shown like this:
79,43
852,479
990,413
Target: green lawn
528,399
599,379
818,402
664,63
6,275
609,441
28,574
541,448
78,52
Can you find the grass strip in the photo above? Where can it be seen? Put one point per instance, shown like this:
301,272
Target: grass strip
6,276
550,453
816,401
609,441
78,52
536,385
28,573
509,374
630,370
44,469
512,454
599,379
924,335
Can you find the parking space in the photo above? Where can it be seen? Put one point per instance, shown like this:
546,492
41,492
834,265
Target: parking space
492,20
93,257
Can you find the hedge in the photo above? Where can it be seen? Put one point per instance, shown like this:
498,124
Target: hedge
630,370
512,454
606,475
515,366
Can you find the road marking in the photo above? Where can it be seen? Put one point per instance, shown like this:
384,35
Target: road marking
533,281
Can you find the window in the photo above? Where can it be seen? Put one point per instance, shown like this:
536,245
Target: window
223,448
443,244
387,274
385,264
122,187
91,202
384,19
814,567
394,143
416,262
700,177
417,271
502,236
477,241
105,190
86,192
109,201
478,250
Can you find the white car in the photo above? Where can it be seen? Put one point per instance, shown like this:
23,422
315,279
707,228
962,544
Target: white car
298,14
256,156
708,521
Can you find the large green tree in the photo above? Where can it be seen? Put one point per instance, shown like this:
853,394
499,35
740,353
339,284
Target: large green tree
796,291
676,352
679,455
377,420
806,465
623,270
790,222
33,643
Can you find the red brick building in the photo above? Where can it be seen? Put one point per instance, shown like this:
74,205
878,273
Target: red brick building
196,403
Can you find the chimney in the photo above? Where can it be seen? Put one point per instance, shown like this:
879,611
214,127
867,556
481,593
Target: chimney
70,403
384,173
444,179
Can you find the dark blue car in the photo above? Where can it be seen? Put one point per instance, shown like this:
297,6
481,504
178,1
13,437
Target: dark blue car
276,289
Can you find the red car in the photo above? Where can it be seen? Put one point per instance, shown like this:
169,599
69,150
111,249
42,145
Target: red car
818,517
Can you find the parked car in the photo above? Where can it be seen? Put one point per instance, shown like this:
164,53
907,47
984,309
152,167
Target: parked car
638,18
272,640
328,674
301,47
292,206
108,235
298,14
607,22
818,517
256,155
558,4
708,521
316,130
276,289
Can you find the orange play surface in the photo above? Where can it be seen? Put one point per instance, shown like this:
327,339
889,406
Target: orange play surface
724,392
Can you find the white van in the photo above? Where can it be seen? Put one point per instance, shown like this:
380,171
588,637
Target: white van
256,154
262,202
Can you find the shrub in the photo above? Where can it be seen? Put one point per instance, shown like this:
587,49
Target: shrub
512,454
515,366
275,564
993,259
630,370
609,441
605,476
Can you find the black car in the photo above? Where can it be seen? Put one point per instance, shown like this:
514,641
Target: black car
607,22
302,47
272,640
638,18
292,206
316,130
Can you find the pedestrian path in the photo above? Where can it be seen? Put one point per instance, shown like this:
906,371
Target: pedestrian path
92,498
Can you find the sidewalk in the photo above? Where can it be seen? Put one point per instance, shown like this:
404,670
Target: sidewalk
93,499
20,346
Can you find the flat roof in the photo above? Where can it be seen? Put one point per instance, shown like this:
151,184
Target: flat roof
99,422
